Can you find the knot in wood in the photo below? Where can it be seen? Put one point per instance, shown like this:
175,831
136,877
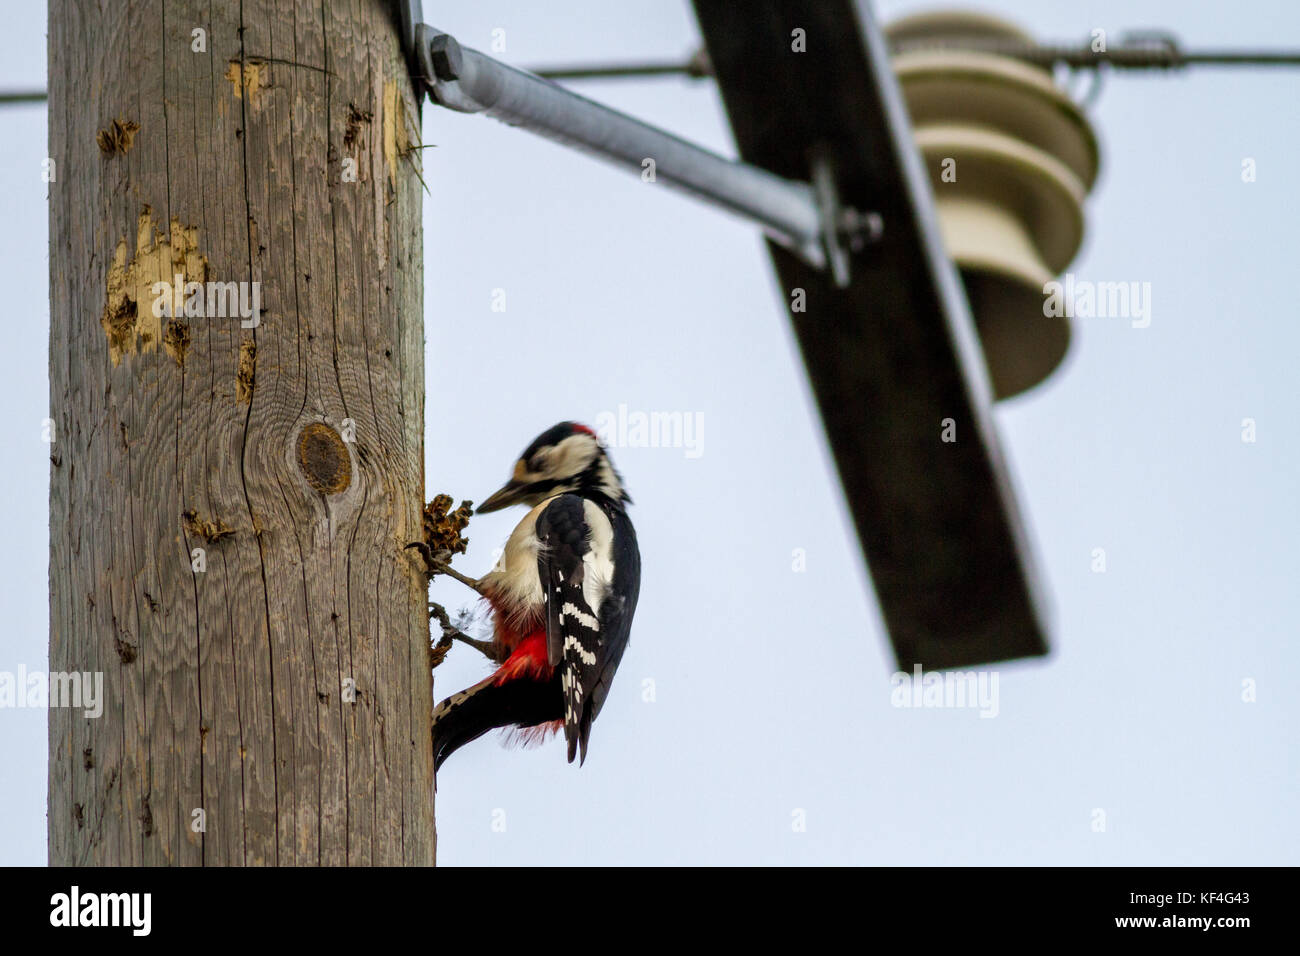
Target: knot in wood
324,459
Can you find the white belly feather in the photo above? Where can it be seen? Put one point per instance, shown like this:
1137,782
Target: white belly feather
514,580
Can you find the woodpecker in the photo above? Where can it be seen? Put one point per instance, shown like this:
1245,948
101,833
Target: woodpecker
562,598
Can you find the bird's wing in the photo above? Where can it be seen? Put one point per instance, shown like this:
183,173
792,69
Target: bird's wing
615,614
584,641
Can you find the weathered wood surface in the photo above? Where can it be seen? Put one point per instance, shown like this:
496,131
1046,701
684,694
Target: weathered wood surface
288,456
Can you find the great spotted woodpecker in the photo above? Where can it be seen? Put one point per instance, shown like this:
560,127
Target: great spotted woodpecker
562,598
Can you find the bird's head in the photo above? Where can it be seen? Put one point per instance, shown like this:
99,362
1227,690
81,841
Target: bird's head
566,458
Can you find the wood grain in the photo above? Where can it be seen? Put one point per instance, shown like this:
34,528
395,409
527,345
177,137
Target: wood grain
224,687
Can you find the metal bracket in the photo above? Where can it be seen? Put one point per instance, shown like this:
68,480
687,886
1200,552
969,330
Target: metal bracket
410,13
845,230
806,219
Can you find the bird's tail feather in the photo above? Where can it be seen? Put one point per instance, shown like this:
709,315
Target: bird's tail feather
488,705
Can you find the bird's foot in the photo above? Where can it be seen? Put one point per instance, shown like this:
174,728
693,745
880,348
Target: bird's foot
434,565
438,652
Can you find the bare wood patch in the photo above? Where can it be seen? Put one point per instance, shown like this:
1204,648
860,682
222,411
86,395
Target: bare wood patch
117,137
251,77
246,373
176,340
355,118
129,318
209,531
401,134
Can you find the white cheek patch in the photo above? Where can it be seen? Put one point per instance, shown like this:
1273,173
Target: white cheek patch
570,457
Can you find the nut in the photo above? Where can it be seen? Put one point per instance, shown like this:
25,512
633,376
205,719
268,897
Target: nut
446,56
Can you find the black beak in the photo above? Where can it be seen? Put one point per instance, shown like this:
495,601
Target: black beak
512,493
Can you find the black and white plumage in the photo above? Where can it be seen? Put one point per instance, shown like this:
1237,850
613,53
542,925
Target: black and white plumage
589,603
562,597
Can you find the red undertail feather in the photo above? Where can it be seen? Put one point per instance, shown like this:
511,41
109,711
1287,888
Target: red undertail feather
528,660
531,736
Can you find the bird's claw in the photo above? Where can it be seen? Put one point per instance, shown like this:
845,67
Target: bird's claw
438,652
435,565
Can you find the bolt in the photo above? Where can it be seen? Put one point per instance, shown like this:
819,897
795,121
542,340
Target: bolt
860,229
699,66
446,55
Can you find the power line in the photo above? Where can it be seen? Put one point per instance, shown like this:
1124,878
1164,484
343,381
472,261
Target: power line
1144,51
1135,51
1159,51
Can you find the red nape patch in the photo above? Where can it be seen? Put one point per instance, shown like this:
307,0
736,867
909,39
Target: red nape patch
529,660
530,736
584,429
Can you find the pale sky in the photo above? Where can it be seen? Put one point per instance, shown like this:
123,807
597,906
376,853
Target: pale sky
771,687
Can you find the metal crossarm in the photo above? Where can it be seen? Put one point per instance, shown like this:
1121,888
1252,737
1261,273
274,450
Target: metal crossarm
894,355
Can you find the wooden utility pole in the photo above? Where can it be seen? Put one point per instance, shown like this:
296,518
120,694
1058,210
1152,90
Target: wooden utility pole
232,481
